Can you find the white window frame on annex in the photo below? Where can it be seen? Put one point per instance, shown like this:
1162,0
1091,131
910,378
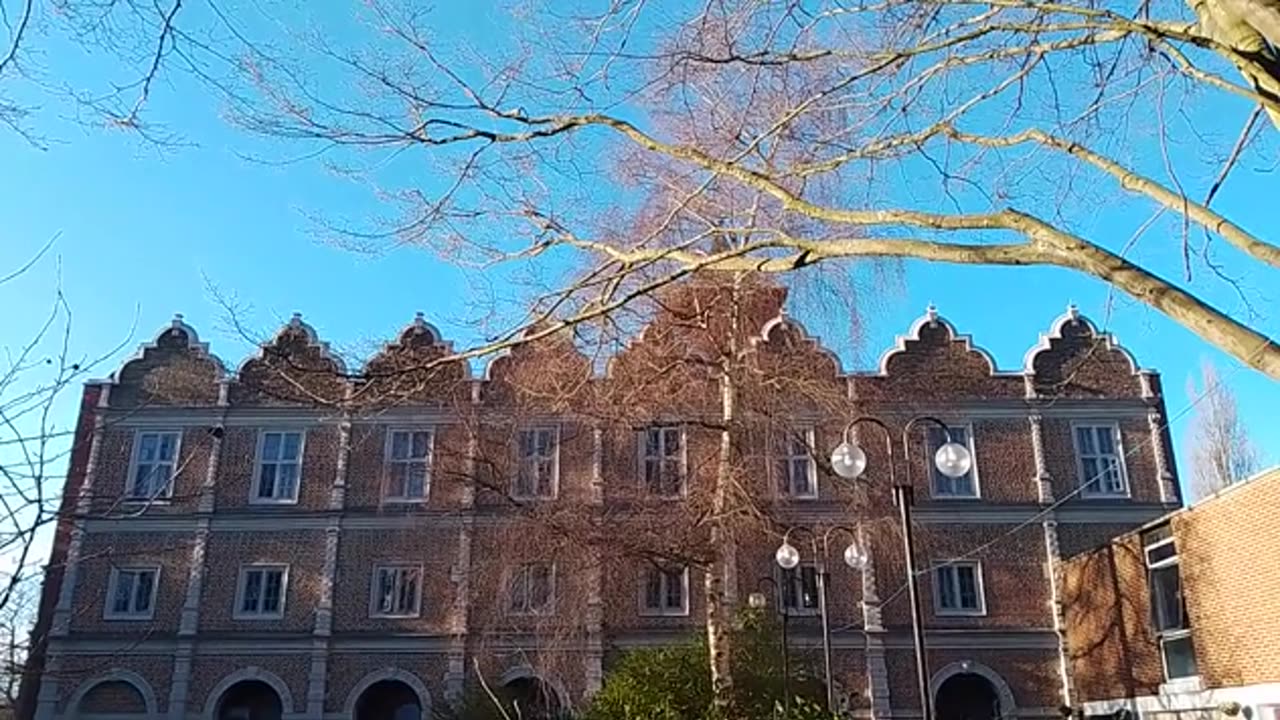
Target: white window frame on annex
387,463
135,460
786,455
646,611
519,574
1082,482
642,456
554,429
374,585
113,582
1165,636
258,461
967,427
979,588
238,612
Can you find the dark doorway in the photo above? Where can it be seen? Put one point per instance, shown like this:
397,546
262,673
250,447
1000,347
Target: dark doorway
250,700
533,698
388,700
967,696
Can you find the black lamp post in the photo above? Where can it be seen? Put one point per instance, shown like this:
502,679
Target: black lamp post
953,460
788,558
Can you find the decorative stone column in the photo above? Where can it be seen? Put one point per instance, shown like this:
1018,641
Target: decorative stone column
1053,566
50,686
318,677
873,624
594,656
1168,484
460,575
1044,481
189,622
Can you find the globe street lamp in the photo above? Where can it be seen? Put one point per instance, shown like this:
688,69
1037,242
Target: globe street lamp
952,459
759,601
788,558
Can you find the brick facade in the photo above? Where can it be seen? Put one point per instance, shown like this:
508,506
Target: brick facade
600,528
1226,554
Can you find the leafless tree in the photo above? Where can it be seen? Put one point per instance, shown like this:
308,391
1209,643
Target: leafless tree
15,624
1221,452
771,136
38,377
659,141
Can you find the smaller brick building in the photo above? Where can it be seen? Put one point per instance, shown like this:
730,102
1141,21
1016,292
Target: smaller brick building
1181,618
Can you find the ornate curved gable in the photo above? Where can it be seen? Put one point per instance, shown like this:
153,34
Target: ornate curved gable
800,373
669,368
934,361
408,370
295,367
1074,359
547,375
173,369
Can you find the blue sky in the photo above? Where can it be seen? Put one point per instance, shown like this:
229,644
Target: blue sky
141,232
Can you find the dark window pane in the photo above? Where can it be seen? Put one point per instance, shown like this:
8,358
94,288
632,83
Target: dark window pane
653,590
968,582
145,586
1179,657
1166,599
252,591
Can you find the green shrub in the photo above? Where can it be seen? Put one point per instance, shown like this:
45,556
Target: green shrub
674,682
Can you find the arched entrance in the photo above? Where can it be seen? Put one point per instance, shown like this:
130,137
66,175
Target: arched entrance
967,696
388,700
250,700
118,693
532,697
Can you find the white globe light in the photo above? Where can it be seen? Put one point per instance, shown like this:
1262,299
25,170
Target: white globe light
757,601
953,460
855,557
848,460
787,556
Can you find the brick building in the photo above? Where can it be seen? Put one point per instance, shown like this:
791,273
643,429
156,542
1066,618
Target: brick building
1179,617
304,542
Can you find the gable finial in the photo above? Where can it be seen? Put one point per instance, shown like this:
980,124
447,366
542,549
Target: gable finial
931,312
178,320
1073,312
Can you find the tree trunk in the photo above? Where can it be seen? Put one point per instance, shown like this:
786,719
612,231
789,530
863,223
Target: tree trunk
719,610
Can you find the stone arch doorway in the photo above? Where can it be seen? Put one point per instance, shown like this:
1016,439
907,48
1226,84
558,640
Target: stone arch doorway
967,696
531,696
249,700
969,690
118,693
389,700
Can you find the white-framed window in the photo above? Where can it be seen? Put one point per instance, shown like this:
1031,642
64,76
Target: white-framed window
800,589
797,471
665,591
397,591
279,466
154,462
662,460
532,588
958,588
408,464
943,486
260,592
1168,606
131,594
1099,459
538,469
